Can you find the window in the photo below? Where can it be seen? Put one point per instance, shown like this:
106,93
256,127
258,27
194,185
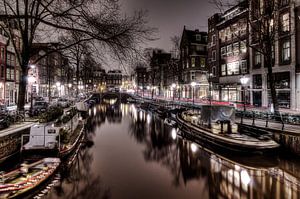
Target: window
202,62
233,68
229,50
236,48
223,69
214,72
244,68
214,39
285,22
214,57
257,59
257,81
193,62
243,47
286,51
284,2
223,51
222,35
198,37
10,59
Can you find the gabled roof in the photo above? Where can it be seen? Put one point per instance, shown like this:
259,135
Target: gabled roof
189,36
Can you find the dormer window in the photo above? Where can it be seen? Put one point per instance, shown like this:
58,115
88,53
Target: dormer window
198,37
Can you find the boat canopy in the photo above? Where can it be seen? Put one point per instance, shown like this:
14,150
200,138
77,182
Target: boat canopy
217,113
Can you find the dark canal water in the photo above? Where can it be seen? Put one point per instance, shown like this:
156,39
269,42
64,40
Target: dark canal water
134,155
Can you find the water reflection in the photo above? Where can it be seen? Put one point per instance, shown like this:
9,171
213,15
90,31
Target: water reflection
78,179
193,171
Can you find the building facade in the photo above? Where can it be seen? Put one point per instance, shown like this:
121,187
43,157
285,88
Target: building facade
193,79
234,53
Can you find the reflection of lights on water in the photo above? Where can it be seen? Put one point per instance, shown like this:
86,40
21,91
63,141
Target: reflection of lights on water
174,134
141,115
216,164
95,110
194,147
90,112
148,118
245,178
237,167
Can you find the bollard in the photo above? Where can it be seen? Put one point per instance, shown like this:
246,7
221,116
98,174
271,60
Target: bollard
253,118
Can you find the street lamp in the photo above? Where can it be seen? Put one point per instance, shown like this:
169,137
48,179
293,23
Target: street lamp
31,80
58,88
173,86
193,84
244,80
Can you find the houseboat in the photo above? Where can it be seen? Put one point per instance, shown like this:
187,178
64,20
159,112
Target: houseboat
214,126
56,138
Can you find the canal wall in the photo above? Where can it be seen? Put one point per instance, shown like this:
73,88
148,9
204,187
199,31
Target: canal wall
10,142
288,140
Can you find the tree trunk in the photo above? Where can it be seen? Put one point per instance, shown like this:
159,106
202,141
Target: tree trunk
269,63
22,89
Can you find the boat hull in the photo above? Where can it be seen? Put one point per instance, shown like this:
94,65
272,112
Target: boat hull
203,137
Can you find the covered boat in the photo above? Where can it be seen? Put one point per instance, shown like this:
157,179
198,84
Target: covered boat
214,125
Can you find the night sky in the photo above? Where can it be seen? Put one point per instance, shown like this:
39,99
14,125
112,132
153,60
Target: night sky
169,16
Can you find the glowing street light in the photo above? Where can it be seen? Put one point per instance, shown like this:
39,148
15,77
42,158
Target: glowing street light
244,80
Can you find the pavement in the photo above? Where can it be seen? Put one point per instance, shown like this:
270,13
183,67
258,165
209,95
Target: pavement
15,128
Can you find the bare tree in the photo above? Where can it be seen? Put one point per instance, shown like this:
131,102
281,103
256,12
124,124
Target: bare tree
176,45
264,27
95,20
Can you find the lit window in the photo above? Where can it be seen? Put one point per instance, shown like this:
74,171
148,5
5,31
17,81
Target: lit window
243,47
223,69
202,62
193,62
285,22
286,51
233,68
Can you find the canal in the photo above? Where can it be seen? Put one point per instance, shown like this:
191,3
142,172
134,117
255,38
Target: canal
131,153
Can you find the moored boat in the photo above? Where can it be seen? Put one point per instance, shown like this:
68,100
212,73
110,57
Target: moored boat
196,125
16,183
57,138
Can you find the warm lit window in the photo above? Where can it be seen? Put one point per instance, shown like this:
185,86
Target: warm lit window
243,47
202,62
223,69
193,62
286,51
233,68
285,22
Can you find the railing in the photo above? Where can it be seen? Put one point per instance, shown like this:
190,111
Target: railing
267,118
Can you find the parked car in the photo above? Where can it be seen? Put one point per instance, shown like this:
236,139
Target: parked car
38,107
64,103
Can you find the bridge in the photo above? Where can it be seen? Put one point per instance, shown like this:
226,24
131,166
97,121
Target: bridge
121,96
